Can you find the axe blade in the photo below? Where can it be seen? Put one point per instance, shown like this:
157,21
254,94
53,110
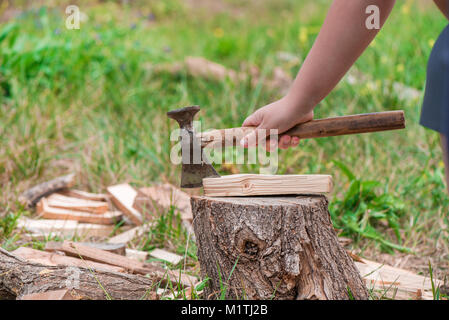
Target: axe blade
195,166
193,174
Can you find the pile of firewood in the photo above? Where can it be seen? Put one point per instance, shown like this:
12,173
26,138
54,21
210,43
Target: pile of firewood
123,273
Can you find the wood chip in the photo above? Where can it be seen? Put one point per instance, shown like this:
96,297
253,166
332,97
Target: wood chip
123,196
166,256
260,184
129,235
160,198
137,255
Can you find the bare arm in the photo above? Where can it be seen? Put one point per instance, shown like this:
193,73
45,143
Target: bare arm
443,5
342,39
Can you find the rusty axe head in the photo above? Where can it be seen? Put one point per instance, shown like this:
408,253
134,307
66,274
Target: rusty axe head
195,166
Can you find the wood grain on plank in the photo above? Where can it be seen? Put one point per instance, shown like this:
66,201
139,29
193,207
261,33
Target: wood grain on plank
71,203
260,184
123,196
48,212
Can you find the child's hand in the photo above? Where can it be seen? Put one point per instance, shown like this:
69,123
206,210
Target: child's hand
281,115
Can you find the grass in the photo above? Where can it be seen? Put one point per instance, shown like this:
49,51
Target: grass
90,101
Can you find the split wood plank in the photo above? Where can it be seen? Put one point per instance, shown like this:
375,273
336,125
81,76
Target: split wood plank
166,256
123,196
261,184
63,294
129,235
71,203
118,248
395,283
48,212
54,259
159,198
34,194
85,195
77,250
63,228
134,266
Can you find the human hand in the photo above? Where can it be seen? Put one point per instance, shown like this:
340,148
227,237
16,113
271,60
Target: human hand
281,115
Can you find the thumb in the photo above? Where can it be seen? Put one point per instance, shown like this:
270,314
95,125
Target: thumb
253,120
250,139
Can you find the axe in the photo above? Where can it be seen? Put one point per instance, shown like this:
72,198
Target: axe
196,167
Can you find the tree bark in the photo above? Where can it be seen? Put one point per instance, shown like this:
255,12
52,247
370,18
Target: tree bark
281,247
18,278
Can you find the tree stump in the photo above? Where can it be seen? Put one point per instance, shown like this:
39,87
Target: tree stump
272,247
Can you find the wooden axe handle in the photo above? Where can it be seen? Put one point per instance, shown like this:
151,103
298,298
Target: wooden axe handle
337,126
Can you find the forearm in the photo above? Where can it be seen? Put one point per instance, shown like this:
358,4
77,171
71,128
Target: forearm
443,5
342,39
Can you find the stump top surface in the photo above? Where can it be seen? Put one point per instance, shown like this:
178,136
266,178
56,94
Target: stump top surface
308,200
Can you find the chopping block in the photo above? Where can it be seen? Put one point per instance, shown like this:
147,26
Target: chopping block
272,247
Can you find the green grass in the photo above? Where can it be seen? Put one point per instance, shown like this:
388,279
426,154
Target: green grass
90,100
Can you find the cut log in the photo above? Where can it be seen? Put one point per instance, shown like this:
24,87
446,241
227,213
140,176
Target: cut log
54,259
129,235
85,195
31,197
123,196
47,228
159,198
261,184
63,294
45,211
19,277
118,248
71,203
273,247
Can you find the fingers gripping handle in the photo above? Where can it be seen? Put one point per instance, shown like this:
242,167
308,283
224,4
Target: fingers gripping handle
337,126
